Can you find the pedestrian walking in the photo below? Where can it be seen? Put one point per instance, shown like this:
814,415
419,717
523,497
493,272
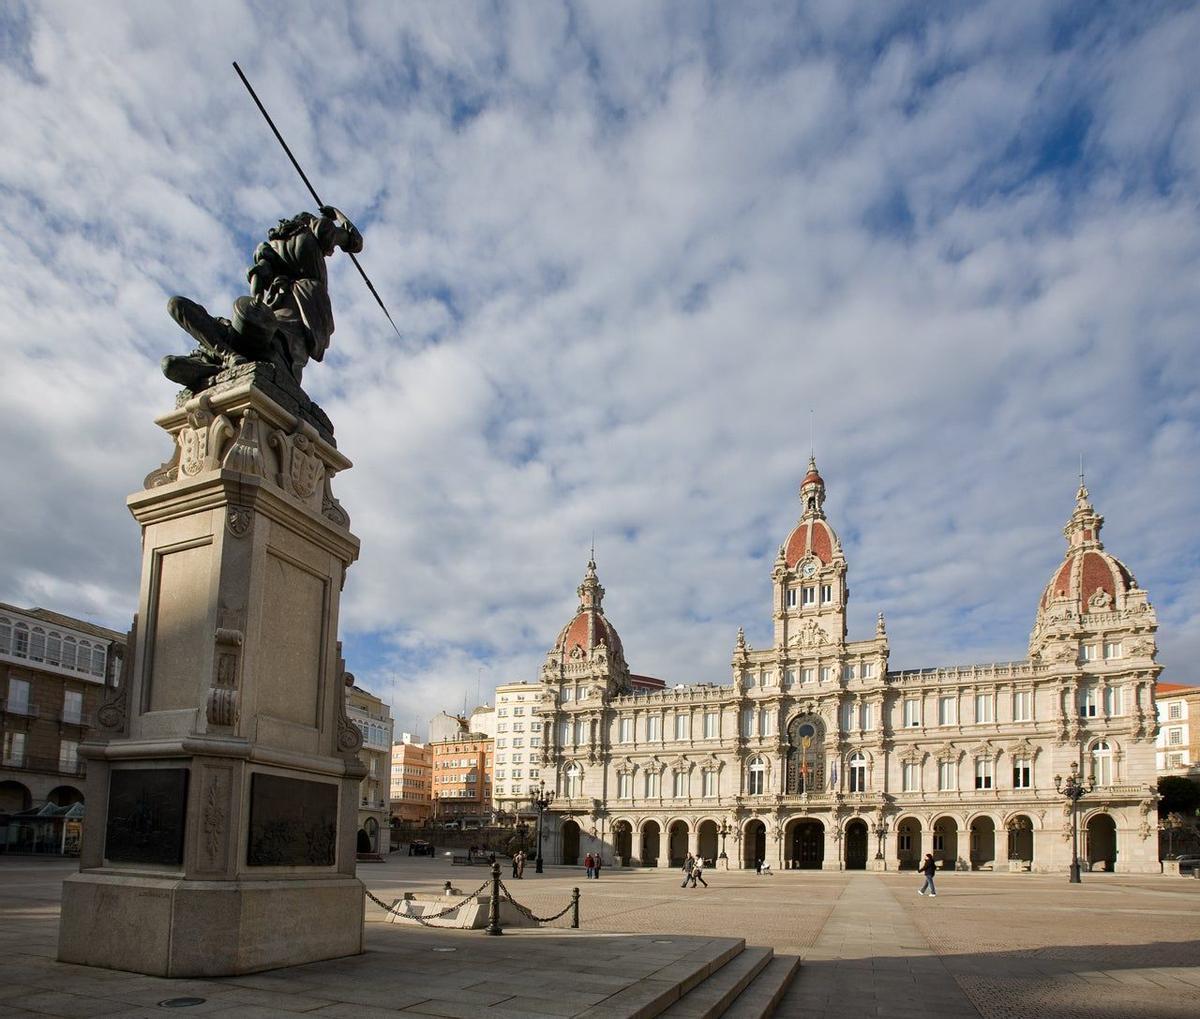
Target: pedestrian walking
598,863
758,866
688,866
928,868
516,863
698,872
589,862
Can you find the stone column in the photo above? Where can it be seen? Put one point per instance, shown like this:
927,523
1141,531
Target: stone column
222,786
833,844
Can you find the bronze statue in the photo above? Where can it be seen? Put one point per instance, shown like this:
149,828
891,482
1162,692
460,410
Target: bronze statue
287,318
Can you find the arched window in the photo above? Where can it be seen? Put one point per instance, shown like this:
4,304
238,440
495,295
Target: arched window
806,757
37,645
1102,763
54,648
757,777
858,773
21,641
574,781
68,653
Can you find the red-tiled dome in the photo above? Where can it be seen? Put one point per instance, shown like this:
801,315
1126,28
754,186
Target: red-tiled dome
576,634
813,537
1084,574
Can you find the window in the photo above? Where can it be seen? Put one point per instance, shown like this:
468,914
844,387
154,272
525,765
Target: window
747,722
749,679
535,741
652,784
501,744
21,641
5,636
1087,701
826,594
1112,700
654,728
502,727
1088,652
947,710
37,645
904,843
768,679
983,773
574,781
1175,710
864,718
1174,737
810,596
790,679
517,743
580,731
1174,760
826,673
1023,706
912,712
566,733
847,672
710,782
807,675
518,758
626,731
18,696
947,776
910,778
682,726
518,711
503,712
791,598
858,773
983,708
625,786
680,789
1112,649
764,722
1102,770
14,749
710,725
867,670
567,694
756,784
1022,773
939,838
847,717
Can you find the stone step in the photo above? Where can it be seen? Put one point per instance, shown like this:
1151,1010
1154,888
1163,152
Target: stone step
653,994
759,999
712,996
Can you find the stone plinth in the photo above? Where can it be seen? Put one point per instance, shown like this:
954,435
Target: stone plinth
223,782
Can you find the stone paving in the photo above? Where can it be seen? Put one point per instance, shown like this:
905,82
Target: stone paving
1000,946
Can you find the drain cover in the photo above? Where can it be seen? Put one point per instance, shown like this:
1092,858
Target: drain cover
182,1002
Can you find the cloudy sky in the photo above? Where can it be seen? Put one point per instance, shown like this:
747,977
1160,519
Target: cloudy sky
630,247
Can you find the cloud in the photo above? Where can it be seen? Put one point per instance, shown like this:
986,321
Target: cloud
630,248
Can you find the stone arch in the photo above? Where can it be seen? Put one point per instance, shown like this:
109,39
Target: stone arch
14,797
622,829
982,830
856,840
804,843
570,842
908,832
678,831
1100,837
650,840
754,841
946,829
1019,828
707,837
64,796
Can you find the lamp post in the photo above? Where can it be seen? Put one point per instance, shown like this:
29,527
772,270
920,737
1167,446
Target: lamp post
541,800
1170,824
723,833
881,830
1073,789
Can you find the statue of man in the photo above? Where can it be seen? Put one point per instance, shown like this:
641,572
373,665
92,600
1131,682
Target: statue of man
287,318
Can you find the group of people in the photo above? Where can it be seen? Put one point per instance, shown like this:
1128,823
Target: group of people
592,865
693,871
518,863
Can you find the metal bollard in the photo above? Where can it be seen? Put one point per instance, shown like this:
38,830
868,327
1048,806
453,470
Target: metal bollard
493,926
575,908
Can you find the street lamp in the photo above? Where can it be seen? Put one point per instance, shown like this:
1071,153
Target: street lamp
1170,824
541,801
1072,789
881,830
723,833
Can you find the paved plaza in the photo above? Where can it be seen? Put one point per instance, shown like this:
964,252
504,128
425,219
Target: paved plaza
999,946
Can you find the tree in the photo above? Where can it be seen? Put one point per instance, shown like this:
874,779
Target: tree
1179,796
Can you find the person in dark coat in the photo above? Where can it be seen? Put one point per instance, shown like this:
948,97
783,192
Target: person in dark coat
928,868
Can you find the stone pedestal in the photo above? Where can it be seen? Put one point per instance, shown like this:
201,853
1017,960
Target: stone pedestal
877,865
223,780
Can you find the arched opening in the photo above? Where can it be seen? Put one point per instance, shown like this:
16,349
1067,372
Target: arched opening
806,845
65,795
570,843
1101,848
1020,839
805,768
983,843
908,844
945,842
677,843
363,842
707,842
14,797
650,839
623,842
754,844
856,844
371,827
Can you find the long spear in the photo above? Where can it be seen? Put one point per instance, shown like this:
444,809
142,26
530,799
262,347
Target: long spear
313,191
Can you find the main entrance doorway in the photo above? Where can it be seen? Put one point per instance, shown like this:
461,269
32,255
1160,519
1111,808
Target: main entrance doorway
570,843
856,845
808,845
755,844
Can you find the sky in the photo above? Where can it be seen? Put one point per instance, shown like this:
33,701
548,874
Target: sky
633,250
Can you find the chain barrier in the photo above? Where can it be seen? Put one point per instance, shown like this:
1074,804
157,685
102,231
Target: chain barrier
527,912
429,916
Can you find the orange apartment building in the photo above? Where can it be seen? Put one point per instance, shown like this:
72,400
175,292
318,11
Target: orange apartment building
462,777
411,792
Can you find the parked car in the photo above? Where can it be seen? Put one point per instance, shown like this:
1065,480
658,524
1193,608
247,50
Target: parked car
419,847
1188,864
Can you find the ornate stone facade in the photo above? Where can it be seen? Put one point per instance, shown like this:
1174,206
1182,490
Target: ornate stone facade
815,755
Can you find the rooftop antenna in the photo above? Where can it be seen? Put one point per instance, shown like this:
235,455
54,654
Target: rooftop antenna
812,452
313,191
1081,470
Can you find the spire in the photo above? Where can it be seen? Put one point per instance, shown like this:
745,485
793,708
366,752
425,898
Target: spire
1083,529
812,492
591,593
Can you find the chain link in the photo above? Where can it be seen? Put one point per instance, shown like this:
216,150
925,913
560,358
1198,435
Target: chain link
526,912
423,920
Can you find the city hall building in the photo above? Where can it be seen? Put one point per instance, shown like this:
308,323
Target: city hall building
817,755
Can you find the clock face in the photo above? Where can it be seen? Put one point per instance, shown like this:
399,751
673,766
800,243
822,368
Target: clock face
808,569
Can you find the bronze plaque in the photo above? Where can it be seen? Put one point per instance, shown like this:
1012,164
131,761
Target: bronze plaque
293,822
147,811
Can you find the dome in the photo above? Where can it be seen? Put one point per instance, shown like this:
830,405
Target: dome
810,537
1089,578
589,628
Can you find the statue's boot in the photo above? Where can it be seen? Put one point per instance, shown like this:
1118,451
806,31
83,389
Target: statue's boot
193,372
213,334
